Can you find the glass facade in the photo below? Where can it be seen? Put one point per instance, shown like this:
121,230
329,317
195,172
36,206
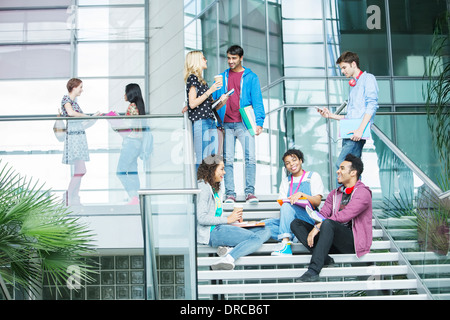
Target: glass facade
293,44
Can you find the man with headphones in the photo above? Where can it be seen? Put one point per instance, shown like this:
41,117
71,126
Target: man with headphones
347,224
362,103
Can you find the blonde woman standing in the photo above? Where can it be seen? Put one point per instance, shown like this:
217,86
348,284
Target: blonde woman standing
200,106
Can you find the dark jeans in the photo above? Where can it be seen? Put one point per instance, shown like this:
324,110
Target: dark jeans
332,238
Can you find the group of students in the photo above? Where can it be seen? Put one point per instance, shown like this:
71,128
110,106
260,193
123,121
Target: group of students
347,227
347,211
76,151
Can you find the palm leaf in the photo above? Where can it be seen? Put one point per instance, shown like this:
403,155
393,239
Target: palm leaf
38,236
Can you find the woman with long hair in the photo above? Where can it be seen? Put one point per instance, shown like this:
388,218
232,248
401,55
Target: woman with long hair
127,168
216,230
200,106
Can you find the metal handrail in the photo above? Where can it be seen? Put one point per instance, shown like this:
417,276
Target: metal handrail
55,117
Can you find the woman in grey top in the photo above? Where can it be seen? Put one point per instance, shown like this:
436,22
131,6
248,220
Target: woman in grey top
216,230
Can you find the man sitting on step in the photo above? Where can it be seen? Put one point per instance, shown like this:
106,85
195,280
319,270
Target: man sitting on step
347,227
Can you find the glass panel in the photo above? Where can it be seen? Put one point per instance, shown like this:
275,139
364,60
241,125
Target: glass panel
275,42
34,26
412,25
254,38
44,96
111,24
19,62
305,92
304,60
410,91
170,227
209,43
362,27
28,3
111,59
108,2
308,9
35,152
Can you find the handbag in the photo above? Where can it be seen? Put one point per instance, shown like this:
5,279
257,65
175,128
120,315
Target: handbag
59,128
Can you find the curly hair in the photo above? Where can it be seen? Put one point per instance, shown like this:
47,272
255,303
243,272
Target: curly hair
207,170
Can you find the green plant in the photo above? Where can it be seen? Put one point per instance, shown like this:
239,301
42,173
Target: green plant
39,240
437,94
433,215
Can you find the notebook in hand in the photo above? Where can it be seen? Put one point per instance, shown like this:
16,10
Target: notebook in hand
347,125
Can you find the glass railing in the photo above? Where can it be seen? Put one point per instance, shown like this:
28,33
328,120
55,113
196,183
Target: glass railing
101,160
169,230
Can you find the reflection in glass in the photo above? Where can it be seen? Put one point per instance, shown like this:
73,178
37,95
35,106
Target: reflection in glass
111,23
305,92
412,26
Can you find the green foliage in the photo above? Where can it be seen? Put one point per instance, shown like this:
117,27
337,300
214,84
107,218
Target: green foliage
38,237
437,94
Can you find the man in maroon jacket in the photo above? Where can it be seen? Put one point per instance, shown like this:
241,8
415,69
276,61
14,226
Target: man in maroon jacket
347,227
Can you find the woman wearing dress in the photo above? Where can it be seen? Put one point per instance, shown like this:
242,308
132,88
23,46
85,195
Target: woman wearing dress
127,168
200,106
76,151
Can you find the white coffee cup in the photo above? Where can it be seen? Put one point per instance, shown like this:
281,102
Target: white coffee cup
218,79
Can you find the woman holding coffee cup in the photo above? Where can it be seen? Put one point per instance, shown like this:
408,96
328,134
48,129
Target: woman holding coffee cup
199,106
217,230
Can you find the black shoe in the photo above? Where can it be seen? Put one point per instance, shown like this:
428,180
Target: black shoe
308,276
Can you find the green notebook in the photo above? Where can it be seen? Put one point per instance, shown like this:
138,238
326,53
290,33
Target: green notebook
248,117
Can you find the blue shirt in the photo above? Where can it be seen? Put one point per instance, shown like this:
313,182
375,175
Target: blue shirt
363,98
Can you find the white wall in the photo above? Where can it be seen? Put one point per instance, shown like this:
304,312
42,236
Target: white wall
166,57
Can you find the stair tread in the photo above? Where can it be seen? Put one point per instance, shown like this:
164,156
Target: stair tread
302,259
289,273
319,286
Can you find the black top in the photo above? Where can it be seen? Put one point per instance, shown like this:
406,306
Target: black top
204,110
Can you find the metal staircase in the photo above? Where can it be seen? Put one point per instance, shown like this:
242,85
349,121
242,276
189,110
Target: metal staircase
381,274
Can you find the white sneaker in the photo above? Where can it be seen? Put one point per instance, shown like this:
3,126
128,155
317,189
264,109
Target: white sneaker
222,251
226,263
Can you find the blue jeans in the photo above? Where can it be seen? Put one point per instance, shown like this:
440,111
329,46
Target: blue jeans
244,240
238,130
127,168
349,147
205,139
281,228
